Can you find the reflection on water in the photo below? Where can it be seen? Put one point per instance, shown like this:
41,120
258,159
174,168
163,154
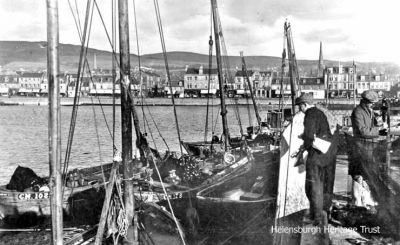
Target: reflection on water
24,133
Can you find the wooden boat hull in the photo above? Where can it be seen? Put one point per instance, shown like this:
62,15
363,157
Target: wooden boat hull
158,226
182,198
230,204
15,204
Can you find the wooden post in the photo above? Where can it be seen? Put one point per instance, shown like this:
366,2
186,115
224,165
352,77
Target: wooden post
126,117
53,68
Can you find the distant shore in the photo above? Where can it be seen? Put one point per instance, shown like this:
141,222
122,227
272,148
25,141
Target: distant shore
265,103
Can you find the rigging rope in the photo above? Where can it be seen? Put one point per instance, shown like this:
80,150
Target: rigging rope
155,124
83,52
161,32
108,36
228,77
169,202
75,19
160,29
139,64
151,133
98,142
78,86
113,70
79,19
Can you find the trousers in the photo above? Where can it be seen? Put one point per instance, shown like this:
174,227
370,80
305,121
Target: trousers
319,187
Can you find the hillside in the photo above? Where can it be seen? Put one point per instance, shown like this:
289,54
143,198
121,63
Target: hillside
15,55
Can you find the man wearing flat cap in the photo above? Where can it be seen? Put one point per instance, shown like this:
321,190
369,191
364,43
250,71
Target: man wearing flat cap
365,132
320,167
363,119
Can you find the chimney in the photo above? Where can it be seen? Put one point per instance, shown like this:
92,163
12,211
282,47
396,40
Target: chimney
201,70
186,68
320,61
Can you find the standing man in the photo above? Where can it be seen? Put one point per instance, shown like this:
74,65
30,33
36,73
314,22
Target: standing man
365,131
320,167
363,120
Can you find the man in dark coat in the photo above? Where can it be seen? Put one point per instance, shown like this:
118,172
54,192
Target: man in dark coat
364,126
365,131
363,119
320,167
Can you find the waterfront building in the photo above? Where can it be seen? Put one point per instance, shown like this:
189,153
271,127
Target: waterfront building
178,88
30,83
279,87
150,81
71,80
196,81
378,82
313,85
102,85
262,84
340,81
9,84
240,86
309,84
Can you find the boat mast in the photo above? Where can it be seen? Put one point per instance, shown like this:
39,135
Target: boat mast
292,64
53,68
251,89
126,115
225,129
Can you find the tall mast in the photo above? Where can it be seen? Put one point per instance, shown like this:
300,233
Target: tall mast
53,68
251,89
225,130
292,64
126,114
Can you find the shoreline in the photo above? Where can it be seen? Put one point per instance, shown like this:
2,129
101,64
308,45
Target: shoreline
264,103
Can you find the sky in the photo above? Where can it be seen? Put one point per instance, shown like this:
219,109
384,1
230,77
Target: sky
360,30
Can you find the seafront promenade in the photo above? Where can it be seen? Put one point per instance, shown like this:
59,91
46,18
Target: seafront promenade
339,104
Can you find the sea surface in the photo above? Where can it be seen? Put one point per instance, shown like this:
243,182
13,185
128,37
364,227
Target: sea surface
24,132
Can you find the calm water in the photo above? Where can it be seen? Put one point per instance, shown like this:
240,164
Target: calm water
24,133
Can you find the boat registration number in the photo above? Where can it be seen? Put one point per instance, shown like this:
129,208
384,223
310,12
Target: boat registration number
37,195
171,196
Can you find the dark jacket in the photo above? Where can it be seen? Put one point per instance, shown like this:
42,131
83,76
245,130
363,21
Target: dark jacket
363,122
316,123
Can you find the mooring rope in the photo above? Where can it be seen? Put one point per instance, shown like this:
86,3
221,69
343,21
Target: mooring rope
169,203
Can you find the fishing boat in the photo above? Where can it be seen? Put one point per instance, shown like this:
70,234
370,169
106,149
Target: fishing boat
241,198
152,222
173,179
35,201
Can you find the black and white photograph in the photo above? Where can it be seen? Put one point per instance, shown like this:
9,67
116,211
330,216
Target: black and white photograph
207,122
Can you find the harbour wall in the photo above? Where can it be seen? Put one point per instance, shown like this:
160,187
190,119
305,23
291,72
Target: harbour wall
265,103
